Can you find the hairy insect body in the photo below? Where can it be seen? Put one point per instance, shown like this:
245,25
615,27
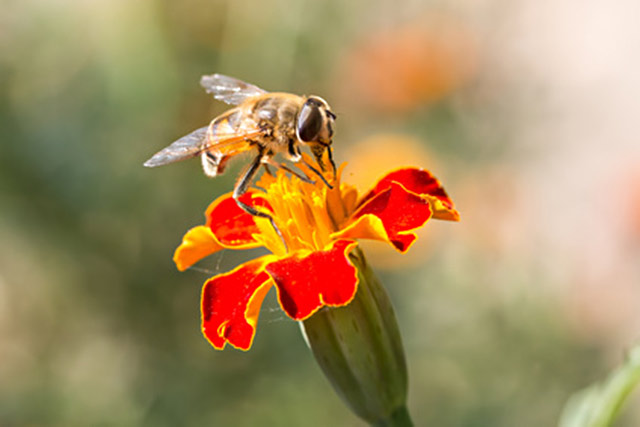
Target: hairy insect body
273,113
265,123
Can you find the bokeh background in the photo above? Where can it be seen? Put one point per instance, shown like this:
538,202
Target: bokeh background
526,110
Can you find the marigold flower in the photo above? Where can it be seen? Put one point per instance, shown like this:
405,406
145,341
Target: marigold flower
320,227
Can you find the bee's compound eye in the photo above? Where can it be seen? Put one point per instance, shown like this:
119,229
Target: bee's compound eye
310,121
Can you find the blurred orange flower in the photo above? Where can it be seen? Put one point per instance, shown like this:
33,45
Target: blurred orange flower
402,68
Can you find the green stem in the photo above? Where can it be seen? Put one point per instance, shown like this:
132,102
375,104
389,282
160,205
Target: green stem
599,404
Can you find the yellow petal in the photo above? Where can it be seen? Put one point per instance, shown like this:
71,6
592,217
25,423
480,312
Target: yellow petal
197,243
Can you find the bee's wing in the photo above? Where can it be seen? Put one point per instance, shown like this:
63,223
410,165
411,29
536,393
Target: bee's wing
230,90
226,141
186,147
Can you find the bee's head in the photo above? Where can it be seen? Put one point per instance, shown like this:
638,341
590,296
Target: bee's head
315,122
314,126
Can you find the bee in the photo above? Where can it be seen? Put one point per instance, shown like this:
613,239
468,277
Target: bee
265,123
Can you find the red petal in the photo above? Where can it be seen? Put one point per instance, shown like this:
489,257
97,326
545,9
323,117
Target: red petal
307,282
231,304
233,227
389,215
423,183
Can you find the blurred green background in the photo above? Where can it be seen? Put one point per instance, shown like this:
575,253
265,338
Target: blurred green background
525,110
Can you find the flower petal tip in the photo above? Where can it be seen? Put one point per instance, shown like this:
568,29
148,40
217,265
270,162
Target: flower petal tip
230,304
196,244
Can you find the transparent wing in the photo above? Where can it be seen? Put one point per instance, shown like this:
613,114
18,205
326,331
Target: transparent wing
230,90
186,147
225,142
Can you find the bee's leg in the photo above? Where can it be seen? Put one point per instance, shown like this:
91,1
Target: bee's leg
318,151
243,185
333,164
317,172
267,169
301,175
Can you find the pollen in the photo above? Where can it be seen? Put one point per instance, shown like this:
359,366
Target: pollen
306,213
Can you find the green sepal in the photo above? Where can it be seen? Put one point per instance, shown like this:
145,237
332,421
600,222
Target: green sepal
360,351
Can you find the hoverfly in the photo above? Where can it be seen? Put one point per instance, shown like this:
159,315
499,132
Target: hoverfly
264,123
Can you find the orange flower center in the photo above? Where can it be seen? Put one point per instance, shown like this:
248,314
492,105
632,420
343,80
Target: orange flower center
306,214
